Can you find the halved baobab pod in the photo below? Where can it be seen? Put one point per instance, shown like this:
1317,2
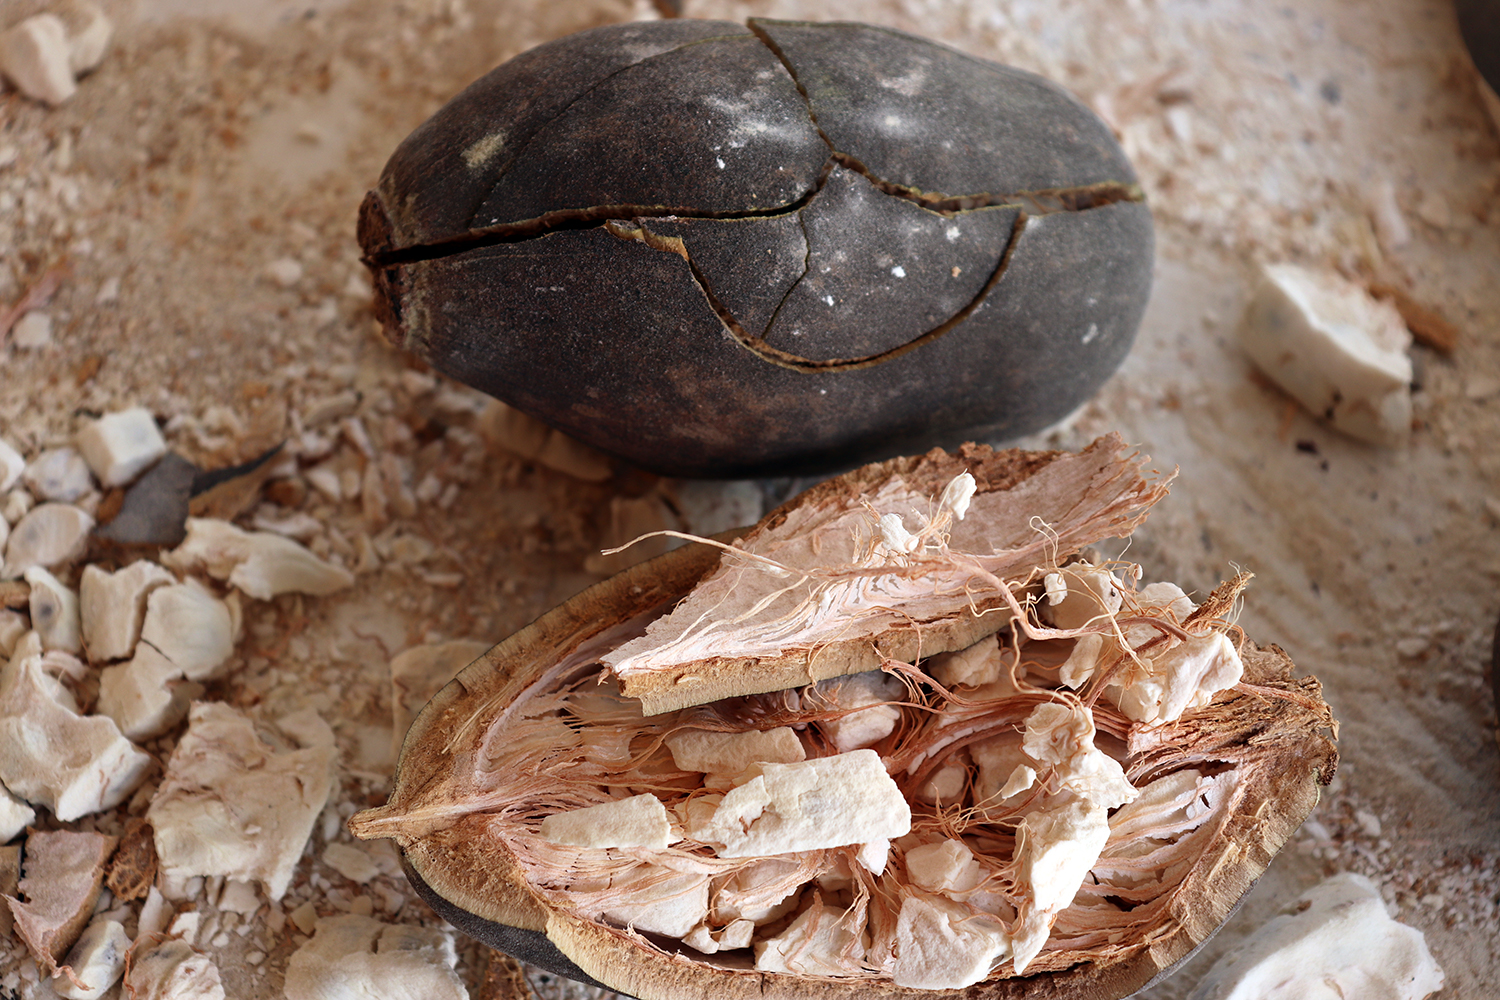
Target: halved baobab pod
899,737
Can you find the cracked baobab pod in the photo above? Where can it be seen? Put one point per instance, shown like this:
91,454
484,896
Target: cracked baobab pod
724,250
672,785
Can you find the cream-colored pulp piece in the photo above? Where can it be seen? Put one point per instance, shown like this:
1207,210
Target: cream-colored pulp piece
825,802
639,821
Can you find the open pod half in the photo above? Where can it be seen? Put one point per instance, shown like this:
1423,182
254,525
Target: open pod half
898,738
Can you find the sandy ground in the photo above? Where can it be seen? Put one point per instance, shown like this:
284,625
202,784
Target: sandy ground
218,137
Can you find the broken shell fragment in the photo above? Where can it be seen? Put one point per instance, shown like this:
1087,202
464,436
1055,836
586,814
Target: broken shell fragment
689,244
1072,850
64,873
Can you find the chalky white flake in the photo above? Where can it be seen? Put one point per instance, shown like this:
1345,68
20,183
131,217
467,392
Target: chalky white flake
142,696
947,867
1337,350
120,446
259,563
978,664
15,815
97,959
818,943
943,945
353,957
639,821
113,605
826,802
54,611
58,474
658,900
49,535
191,627
71,764
1158,686
11,465
172,970
871,724
1338,941
1062,835
732,753
34,56
228,805
1080,594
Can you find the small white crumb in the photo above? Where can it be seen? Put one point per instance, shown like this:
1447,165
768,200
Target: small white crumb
349,861
190,627
732,753
898,271
1385,215
239,897
51,534
284,271
140,695
172,970
826,802
120,446
33,331
15,815
977,664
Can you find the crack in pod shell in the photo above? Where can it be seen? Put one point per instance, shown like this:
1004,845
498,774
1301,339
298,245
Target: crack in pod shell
715,249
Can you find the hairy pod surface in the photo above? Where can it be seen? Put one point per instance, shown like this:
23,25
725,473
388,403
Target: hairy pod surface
724,250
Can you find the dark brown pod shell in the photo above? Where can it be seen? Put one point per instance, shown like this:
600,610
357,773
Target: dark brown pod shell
721,250
1273,730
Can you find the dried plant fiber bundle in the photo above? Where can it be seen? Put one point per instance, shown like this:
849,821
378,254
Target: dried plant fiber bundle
901,737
